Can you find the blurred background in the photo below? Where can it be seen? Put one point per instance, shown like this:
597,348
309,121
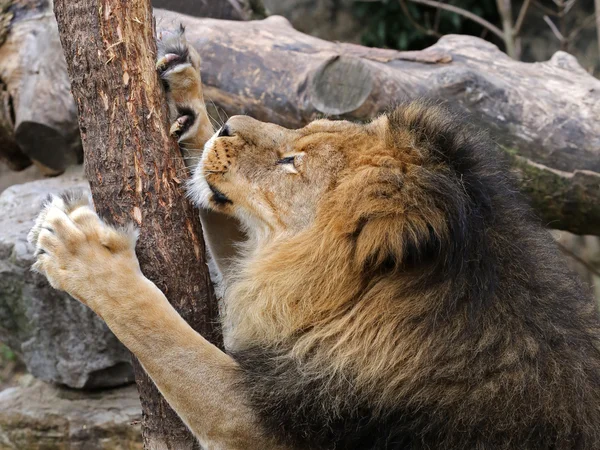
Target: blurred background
64,344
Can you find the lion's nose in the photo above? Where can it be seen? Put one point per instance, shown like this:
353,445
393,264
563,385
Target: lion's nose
225,131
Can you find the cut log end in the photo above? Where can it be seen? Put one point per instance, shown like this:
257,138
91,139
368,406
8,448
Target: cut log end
341,85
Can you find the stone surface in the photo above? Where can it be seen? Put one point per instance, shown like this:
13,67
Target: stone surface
42,416
59,339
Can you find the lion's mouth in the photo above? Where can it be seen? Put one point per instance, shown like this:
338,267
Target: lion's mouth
219,197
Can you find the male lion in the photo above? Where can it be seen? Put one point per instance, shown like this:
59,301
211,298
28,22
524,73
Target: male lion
393,291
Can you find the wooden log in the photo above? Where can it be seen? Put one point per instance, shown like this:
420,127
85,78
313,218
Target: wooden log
136,171
544,112
563,200
34,72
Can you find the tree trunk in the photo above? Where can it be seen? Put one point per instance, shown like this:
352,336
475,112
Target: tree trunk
136,171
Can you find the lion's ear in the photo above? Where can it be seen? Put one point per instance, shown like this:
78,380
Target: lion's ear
403,220
398,242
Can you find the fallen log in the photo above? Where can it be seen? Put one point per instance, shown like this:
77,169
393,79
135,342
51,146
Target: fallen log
544,113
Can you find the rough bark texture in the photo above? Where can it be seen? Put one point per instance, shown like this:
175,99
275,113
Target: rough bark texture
42,118
136,171
544,112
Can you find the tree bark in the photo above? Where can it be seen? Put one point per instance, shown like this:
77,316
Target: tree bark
545,113
136,171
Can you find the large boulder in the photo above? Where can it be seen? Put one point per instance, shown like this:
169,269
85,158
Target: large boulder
59,339
42,416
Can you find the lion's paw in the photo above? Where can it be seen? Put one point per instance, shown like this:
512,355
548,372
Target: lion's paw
77,251
178,65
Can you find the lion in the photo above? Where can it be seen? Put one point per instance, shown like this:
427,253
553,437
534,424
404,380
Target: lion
392,289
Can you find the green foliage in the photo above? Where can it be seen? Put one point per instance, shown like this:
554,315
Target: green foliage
386,25
6,354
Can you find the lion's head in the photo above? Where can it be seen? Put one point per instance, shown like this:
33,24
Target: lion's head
273,179
384,184
337,208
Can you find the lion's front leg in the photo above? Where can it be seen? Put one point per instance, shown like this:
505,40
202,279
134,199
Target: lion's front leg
96,264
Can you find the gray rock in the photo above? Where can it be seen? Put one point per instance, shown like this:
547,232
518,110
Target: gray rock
59,339
47,417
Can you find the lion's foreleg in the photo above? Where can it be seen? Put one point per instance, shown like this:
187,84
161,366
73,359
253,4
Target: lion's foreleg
96,264
199,381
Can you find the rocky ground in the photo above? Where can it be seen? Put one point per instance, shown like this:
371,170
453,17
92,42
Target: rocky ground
8,178
37,415
59,339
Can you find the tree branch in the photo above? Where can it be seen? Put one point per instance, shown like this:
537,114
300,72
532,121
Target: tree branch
522,13
462,12
416,24
554,29
545,9
505,10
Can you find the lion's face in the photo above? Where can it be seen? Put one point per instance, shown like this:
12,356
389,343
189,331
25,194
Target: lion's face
273,179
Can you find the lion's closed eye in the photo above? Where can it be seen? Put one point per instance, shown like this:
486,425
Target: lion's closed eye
290,163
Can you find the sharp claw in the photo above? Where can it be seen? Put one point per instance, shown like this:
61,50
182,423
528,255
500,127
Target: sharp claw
179,126
171,56
163,62
175,130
